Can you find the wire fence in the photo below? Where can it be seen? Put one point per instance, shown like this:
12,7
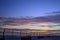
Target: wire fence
20,34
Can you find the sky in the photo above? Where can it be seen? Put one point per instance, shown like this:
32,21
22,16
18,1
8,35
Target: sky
32,8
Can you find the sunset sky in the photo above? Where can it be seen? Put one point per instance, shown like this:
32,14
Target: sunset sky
22,8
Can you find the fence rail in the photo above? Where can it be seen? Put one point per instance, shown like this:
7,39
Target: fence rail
8,34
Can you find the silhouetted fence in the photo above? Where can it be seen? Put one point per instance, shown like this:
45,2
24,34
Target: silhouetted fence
20,34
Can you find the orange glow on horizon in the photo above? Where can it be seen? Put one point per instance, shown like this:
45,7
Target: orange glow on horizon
46,28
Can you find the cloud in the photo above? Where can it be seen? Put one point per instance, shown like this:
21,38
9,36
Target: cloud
25,21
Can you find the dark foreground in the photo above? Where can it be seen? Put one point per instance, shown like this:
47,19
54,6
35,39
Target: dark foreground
11,37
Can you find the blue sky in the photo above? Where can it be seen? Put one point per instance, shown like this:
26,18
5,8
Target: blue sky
35,8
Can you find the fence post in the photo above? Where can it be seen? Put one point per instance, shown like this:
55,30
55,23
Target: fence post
3,34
